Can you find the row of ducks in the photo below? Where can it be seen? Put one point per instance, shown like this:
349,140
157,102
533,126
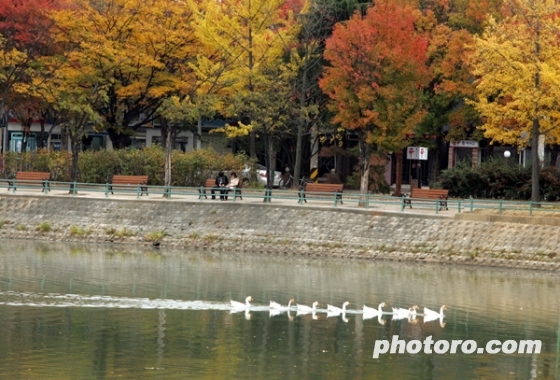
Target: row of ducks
369,312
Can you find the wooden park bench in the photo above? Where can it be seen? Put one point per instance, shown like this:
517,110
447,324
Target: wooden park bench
320,189
129,182
428,194
30,179
211,183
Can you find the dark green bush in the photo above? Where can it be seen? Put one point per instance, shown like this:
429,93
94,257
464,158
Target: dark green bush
495,179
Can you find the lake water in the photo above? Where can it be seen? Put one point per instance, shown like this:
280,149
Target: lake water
92,312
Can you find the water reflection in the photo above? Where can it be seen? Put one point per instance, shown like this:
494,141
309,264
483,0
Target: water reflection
92,312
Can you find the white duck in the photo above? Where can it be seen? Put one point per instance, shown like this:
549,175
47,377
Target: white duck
277,306
241,305
247,313
373,312
334,309
412,313
380,319
431,315
307,309
400,313
273,312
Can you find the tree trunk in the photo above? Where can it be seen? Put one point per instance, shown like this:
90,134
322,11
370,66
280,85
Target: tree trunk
554,155
300,126
269,159
163,131
535,168
252,145
398,179
365,156
167,166
198,137
75,143
41,140
118,140
435,164
63,140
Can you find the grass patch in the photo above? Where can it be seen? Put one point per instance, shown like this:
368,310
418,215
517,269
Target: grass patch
1,223
110,230
79,231
210,238
125,232
155,236
194,235
44,227
21,227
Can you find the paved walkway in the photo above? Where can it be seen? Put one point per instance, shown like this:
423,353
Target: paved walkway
250,196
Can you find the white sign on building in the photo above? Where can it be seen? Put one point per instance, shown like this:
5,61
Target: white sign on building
464,144
416,153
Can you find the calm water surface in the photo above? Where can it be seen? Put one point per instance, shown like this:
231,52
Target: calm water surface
91,312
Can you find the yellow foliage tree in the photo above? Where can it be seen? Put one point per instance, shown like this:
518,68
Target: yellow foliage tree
74,94
253,37
518,90
138,50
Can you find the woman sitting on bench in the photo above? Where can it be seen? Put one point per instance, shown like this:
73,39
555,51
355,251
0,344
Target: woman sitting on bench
233,183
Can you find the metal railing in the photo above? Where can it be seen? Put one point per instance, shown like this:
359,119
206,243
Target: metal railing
349,199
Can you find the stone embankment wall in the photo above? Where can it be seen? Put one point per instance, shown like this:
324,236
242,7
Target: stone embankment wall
288,230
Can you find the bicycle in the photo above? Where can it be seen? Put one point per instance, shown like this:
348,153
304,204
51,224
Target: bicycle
286,182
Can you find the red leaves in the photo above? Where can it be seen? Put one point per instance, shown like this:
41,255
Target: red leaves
378,68
24,22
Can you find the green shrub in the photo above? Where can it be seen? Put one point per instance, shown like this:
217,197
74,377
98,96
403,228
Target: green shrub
496,179
44,227
155,236
79,231
187,168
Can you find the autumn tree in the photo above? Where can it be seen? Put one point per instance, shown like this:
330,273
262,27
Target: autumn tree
315,27
24,37
516,62
138,52
254,36
71,93
378,69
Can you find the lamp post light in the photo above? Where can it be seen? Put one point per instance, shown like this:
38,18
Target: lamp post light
507,155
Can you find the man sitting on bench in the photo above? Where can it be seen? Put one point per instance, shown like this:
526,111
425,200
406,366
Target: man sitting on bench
221,183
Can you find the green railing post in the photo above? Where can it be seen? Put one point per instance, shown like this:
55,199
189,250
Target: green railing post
531,207
267,195
74,185
301,193
459,206
234,194
402,203
472,200
106,190
15,186
335,198
367,201
437,206
138,191
46,186
168,192
500,206
200,192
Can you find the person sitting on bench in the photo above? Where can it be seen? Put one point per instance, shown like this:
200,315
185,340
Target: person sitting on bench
221,183
233,183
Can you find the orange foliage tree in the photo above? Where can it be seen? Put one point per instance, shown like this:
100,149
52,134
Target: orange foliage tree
378,69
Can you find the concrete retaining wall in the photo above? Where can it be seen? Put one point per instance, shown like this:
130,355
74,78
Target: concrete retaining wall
279,229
